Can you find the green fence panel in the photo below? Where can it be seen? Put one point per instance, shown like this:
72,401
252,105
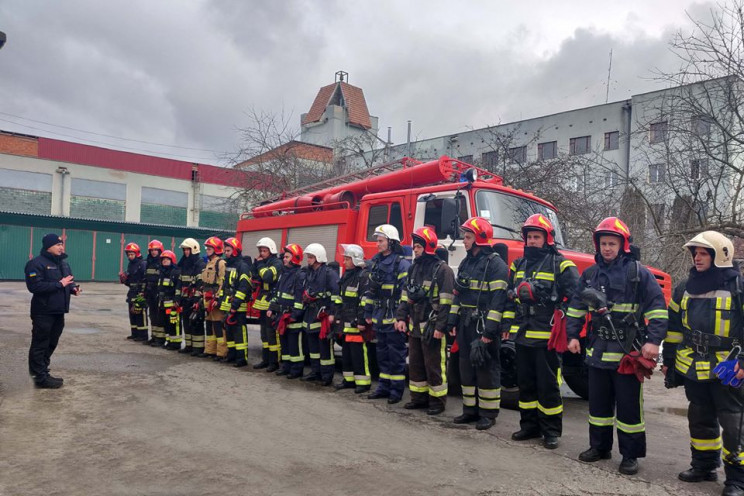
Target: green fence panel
79,248
16,243
108,256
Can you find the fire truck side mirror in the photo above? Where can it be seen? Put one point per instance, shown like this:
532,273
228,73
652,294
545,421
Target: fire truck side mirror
450,218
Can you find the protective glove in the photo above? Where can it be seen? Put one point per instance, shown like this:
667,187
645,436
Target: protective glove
232,318
727,375
479,355
123,277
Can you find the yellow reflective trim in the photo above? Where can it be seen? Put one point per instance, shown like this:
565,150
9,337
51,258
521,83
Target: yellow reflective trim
537,334
611,357
602,421
575,312
674,337
631,428
706,444
509,315
527,405
673,306
660,313
494,315
566,264
545,276
557,410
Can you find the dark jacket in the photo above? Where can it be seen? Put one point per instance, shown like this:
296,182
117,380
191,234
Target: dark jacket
152,274
352,287
136,278
288,294
434,281
647,302
266,274
191,269
321,291
387,276
482,285
236,288
169,286
43,274
695,315
553,278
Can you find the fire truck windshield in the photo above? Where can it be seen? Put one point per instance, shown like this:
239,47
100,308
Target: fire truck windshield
507,213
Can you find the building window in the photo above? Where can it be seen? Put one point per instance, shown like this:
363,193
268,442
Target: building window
490,159
518,155
655,173
656,214
611,179
547,151
612,140
580,145
658,132
468,159
698,167
700,125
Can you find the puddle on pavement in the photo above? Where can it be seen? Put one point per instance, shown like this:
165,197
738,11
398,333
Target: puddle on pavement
682,412
111,362
83,330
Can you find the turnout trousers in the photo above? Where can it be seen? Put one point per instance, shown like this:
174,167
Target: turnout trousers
391,359
138,324
427,373
539,380
293,353
715,407
193,332
322,361
172,326
215,336
45,332
609,391
236,336
156,321
355,361
270,346
481,386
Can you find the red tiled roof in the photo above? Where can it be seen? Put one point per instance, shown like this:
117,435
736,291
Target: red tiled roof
298,149
356,105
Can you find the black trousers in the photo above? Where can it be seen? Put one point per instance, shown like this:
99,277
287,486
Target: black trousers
45,333
540,403
237,338
322,360
712,405
481,387
427,371
294,360
193,330
270,347
609,390
156,319
355,361
138,323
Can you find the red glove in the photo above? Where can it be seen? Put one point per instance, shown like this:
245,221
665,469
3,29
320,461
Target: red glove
123,277
195,307
558,340
231,318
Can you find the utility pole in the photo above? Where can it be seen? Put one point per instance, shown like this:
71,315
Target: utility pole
609,73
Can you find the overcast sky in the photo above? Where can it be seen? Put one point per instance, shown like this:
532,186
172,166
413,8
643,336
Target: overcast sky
183,72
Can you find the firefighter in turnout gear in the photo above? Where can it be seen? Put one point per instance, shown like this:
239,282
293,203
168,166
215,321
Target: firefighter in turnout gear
321,298
286,312
212,278
423,312
191,266
134,279
705,325
387,276
169,296
266,270
236,290
475,319
152,274
621,295
538,283
350,319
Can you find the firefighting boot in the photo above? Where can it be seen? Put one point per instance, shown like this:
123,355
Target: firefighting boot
484,423
131,337
465,418
187,349
273,367
361,389
732,491
524,435
264,359
550,442
593,455
629,466
197,352
241,362
230,357
698,475
48,383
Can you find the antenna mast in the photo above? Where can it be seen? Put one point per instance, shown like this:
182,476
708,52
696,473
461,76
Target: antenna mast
609,73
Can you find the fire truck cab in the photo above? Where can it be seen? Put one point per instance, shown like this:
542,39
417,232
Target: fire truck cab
409,194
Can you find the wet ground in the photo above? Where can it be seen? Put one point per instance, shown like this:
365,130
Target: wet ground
135,420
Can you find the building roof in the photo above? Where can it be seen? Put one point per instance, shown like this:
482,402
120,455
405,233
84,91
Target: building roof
345,95
296,149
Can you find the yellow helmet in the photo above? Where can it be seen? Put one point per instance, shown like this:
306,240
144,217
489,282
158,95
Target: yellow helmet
720,244
191,244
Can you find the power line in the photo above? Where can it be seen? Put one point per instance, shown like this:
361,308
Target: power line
109,135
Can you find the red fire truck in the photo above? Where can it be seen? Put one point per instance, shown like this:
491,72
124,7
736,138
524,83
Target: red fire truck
409,194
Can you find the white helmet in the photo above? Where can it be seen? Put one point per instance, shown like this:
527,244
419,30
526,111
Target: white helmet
720,244
356,254
317,251
390,232
267,243
191,244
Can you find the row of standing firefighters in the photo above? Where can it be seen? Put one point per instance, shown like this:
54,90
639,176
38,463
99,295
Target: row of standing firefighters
540,302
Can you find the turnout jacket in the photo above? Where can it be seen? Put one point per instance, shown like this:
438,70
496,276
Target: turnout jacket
152,274
212,277
236,288
352,289
481,286
136,281
625,302
288,295
191,270
266,273
169,286
703,327
554,278
387,276
434,281
320,291
43,274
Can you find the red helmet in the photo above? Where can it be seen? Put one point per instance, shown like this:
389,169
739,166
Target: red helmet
614,227
482,229
236,246
215,243
155,245
539,222
169,254
296,251
134,248
426,237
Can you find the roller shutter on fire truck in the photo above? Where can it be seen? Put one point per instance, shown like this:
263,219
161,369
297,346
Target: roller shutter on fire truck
250,238
325,235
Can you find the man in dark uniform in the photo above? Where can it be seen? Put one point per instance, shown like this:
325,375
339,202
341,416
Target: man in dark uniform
50,280
152,274
134,279
191,266
169,296
705,324
630,296
236,290
266,269
475,318
539,281
286,311
425,305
